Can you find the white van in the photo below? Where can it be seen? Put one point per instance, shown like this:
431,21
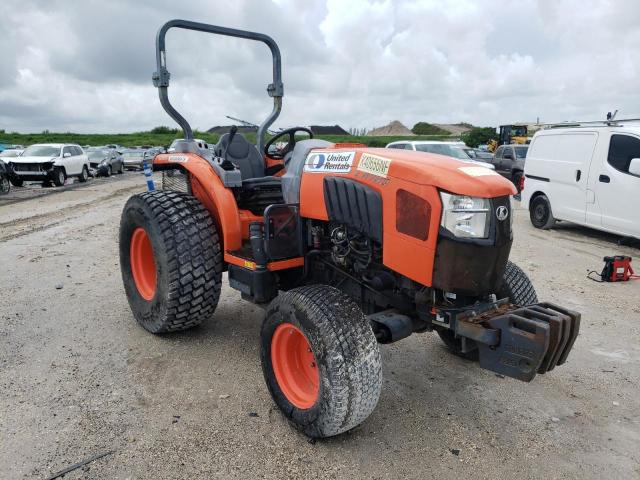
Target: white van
585,174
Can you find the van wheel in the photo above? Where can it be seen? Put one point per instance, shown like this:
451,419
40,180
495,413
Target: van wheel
320,360
516,286
540,213
170,259
59,177
84,175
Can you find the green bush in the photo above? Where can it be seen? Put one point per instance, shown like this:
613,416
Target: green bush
164,129
479,136
164,139
424,128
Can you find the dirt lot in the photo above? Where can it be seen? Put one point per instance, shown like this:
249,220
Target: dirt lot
80,378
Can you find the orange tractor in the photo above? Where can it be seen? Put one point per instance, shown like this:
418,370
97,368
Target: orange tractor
345,246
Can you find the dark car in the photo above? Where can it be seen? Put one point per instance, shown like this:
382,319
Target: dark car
477,154
509,162
105,161
133,158
5,184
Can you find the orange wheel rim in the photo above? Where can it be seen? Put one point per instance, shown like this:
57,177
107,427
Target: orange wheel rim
295,366
143,265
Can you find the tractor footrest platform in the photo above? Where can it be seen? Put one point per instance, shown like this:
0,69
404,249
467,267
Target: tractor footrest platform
523,342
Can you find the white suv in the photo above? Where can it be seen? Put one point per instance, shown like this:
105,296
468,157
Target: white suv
49,162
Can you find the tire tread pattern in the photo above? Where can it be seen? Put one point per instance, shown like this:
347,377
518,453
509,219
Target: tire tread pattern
194,260
355,371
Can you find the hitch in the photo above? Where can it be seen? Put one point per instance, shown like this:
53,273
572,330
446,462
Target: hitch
519,342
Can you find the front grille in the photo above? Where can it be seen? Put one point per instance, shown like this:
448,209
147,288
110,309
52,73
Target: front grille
176,180
28,167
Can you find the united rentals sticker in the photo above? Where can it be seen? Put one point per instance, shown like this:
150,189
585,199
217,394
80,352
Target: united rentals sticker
375,165
329,162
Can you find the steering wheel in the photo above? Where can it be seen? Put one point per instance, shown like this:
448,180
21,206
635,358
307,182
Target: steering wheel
291,132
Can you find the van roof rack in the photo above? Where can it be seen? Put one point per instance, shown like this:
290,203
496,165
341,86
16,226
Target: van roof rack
594,123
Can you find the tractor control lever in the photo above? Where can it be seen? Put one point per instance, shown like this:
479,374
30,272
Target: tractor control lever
226,163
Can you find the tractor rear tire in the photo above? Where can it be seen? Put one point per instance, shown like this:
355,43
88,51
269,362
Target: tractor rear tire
320,360
516,286
170,259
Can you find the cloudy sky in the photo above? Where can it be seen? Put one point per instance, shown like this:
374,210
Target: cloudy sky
85,66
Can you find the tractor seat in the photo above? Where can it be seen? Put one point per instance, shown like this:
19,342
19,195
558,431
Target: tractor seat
243,154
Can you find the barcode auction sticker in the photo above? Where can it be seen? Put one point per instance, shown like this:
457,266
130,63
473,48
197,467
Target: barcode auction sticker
374,165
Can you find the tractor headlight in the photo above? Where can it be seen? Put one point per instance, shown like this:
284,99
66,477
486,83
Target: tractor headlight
465,217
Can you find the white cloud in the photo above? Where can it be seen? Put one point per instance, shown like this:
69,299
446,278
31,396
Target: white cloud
86,66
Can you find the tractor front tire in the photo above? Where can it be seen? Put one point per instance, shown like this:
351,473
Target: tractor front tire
516,286
170,259
320,360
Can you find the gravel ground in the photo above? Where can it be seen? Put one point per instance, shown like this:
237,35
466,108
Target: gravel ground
80,378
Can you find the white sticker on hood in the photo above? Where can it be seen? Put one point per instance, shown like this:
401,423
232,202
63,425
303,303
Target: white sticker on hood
374,165
477,171
329,162
179,158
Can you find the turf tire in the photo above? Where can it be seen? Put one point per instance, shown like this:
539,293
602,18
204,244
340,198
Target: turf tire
517,286
187,255
346,353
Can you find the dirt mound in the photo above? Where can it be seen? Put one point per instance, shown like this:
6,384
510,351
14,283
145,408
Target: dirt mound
454,129
394,128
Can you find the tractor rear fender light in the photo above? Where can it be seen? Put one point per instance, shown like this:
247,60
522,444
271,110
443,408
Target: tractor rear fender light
413,215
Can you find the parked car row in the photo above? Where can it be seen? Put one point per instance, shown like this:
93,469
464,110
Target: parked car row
456,150
53,163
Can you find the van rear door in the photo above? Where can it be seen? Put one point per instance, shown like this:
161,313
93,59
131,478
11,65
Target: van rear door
563,159
617,192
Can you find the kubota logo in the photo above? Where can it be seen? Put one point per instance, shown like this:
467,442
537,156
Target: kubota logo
329,162
502,213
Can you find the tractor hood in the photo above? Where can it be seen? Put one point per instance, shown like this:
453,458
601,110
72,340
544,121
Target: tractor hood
442,172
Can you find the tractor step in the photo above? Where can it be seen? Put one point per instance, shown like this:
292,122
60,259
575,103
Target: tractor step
522,342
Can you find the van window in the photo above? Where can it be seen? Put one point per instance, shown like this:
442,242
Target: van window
498,153
621,150
398,146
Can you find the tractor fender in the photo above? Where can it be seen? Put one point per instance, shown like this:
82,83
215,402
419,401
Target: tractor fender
207,187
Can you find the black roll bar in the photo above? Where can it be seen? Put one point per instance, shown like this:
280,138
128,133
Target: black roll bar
161,75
